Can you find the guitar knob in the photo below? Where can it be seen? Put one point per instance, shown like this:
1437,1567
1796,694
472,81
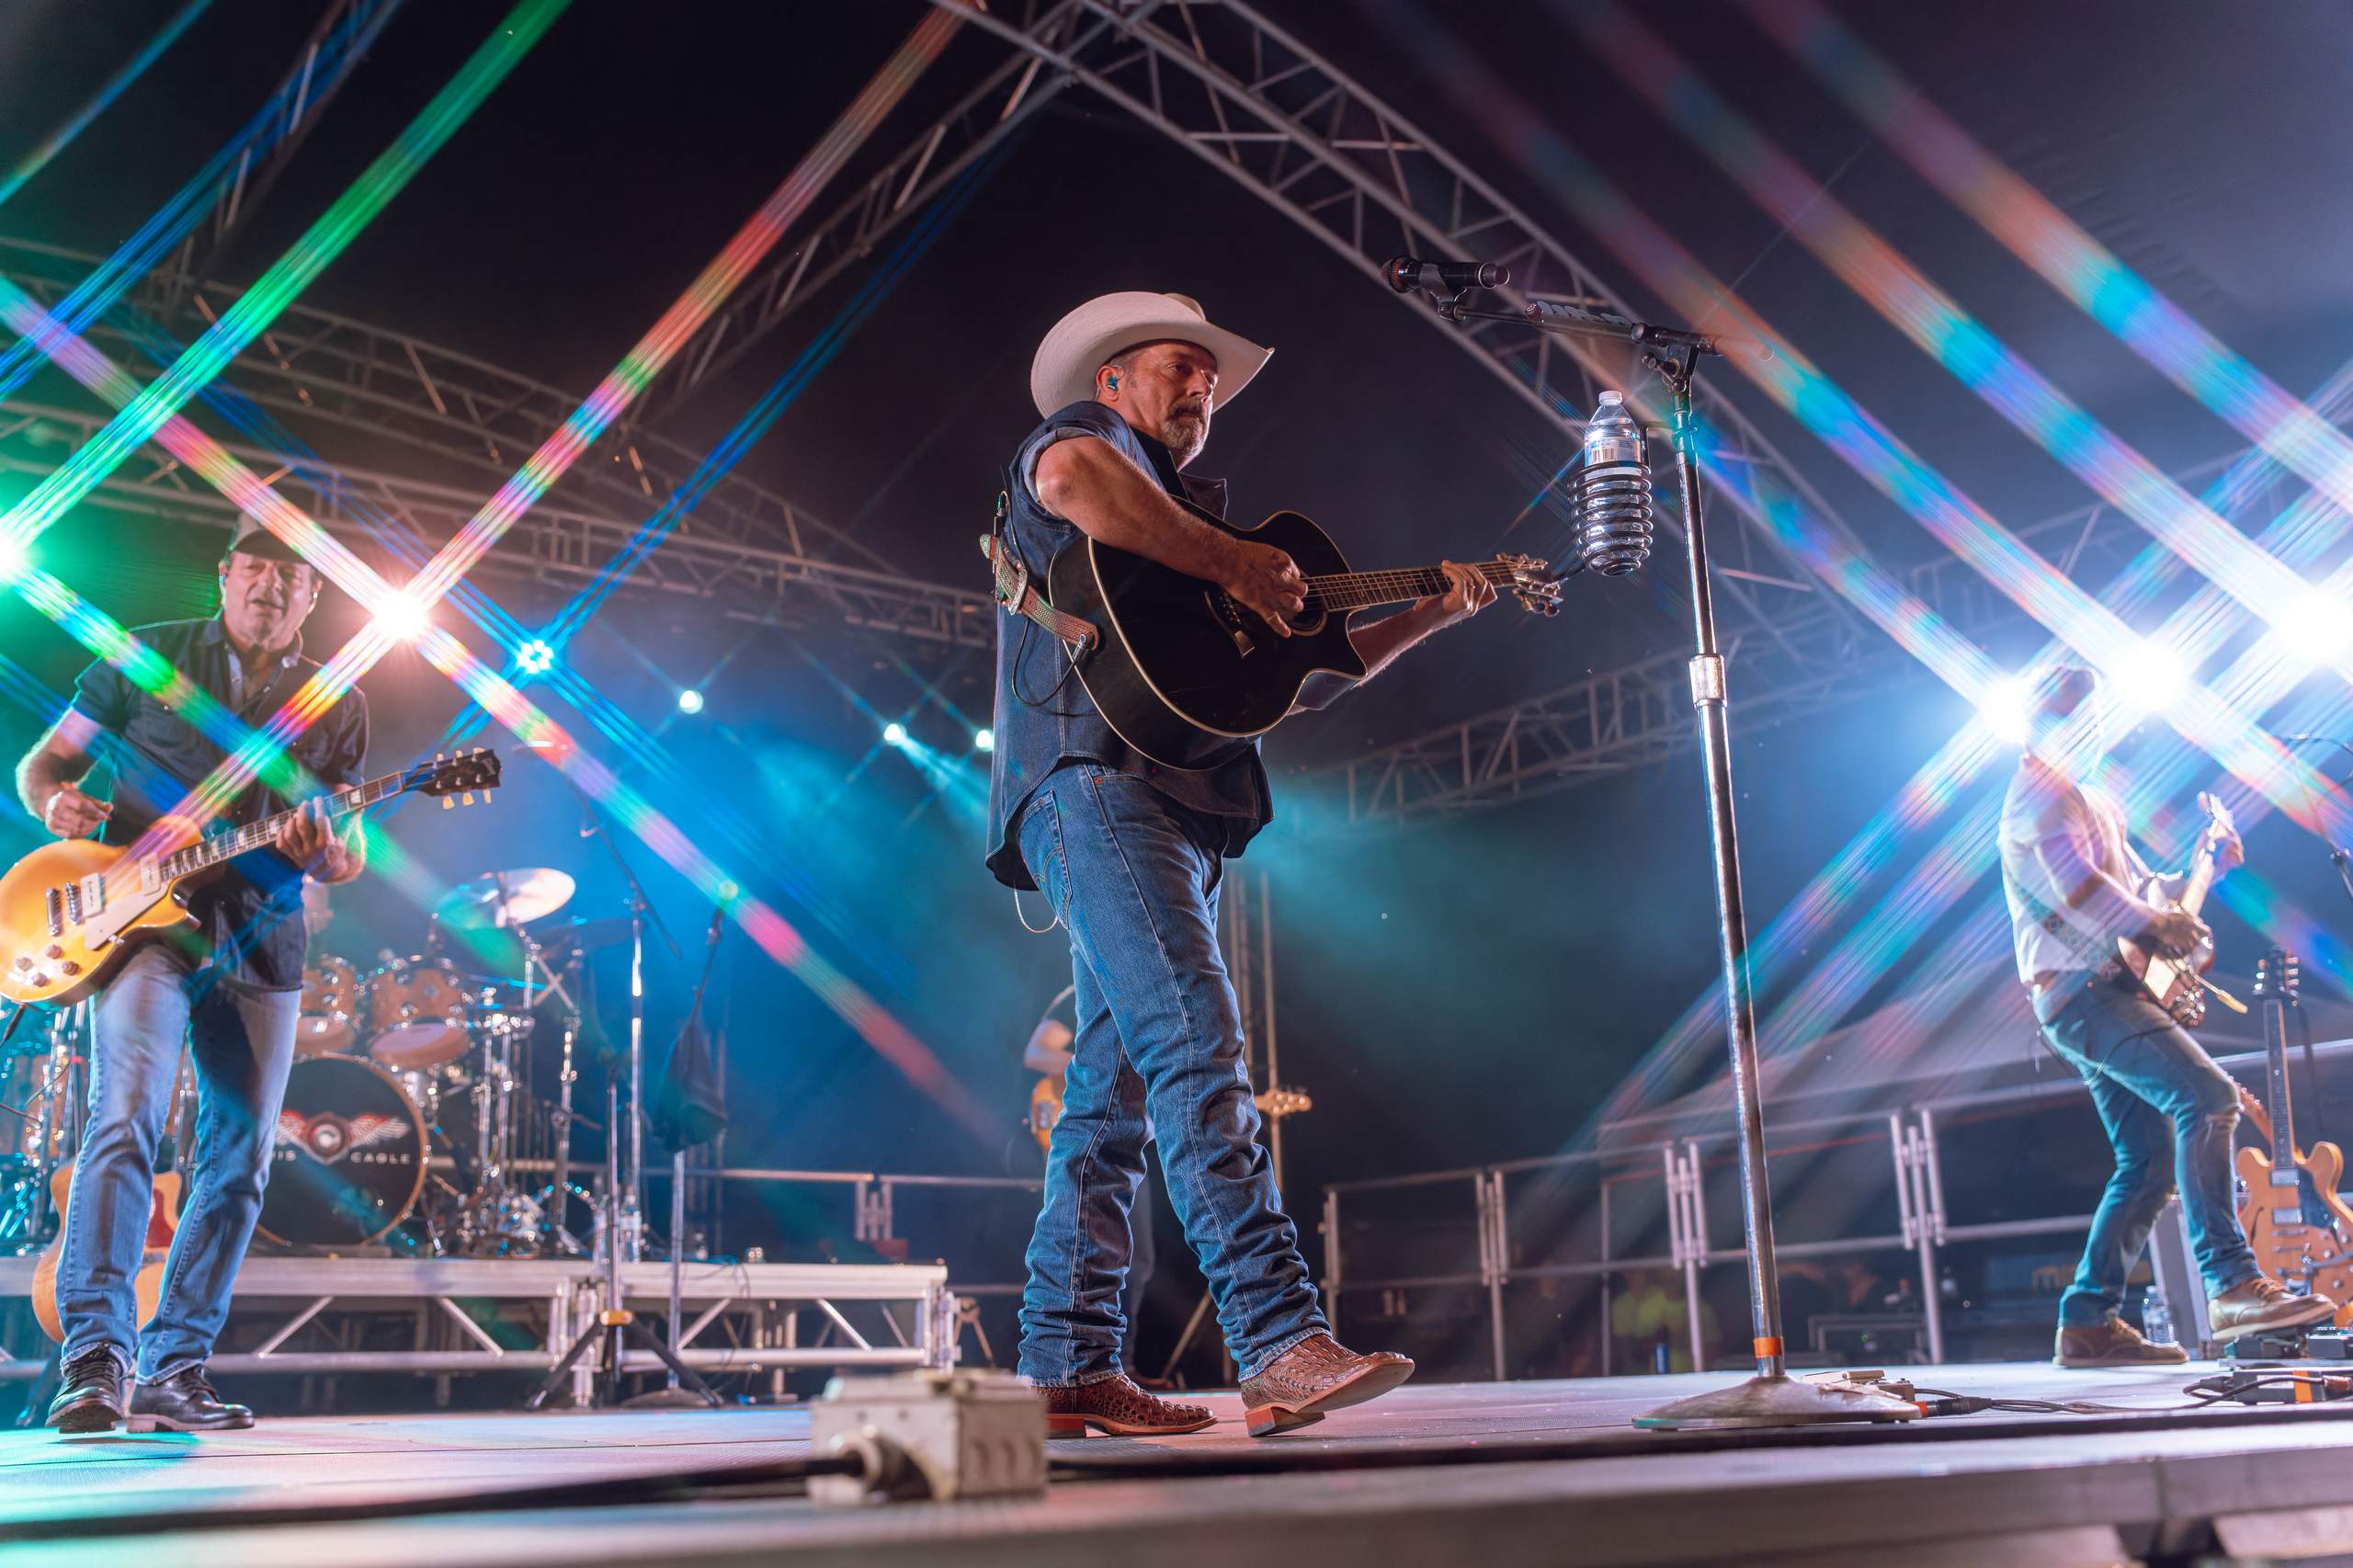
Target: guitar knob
70,967
24,963
54,951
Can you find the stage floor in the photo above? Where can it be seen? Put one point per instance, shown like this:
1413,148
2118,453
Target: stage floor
1436,1473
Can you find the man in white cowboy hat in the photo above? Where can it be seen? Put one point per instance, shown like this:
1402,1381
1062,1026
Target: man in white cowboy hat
1129,853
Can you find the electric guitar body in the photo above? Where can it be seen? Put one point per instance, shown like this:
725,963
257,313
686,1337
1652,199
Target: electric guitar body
70,912
68,964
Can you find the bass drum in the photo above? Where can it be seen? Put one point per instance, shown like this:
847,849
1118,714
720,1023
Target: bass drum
349,1160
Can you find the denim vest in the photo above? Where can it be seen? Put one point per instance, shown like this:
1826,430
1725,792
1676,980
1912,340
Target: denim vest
1044,716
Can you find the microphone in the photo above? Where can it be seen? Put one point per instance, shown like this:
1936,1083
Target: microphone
1612,496
1407,273
718,923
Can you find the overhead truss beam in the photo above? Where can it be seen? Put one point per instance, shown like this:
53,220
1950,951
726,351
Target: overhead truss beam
1624,719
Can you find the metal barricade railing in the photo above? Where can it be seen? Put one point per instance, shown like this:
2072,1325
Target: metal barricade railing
1678,1165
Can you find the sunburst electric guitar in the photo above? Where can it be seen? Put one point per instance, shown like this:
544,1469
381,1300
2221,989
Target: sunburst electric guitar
70,912
2287,1244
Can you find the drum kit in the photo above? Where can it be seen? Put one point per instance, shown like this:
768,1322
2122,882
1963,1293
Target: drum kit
410,1122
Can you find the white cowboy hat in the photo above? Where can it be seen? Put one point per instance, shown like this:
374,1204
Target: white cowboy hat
1063,372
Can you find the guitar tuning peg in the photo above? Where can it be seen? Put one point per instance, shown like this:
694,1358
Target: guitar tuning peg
466,798
448,804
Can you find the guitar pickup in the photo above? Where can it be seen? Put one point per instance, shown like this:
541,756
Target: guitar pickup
94,894
73,902
56,902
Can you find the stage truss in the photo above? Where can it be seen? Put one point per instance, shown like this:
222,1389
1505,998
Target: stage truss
1251,101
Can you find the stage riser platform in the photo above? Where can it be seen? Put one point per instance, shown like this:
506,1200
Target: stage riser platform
518,1315
2048,1496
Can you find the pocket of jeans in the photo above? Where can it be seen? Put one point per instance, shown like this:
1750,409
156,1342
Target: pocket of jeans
1041,851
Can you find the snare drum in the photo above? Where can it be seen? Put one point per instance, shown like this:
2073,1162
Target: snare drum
416,1013
329,1021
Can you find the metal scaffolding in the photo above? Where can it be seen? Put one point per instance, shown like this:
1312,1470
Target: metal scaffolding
1619,720
347,29
754,553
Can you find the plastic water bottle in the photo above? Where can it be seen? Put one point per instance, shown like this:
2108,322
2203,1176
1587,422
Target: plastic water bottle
2156,1322
1613,494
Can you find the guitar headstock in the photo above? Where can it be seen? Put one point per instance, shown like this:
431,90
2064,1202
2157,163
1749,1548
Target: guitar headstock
459,776
1532,583
2276,975
1284,1102
2219,824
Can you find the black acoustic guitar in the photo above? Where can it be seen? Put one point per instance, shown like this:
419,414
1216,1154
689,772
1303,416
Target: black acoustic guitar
1188,677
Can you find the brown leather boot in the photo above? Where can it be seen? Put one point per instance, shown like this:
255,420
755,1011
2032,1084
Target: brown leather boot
1316,1375
2263,1303
2114,1343
1118,1407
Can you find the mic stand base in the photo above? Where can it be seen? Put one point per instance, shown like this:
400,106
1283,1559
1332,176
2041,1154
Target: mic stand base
1779,1400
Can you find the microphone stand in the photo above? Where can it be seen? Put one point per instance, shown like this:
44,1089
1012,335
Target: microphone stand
671,1395
614,1323
632,1218
1771,1397
2338,856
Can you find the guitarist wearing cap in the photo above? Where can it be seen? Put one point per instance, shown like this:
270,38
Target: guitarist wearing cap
231,988
2075,887
1128,852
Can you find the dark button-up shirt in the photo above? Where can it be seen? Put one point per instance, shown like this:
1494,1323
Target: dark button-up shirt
1044,716
249,913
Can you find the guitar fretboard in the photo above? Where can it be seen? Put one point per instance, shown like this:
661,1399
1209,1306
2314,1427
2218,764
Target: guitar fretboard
1359,590
254,835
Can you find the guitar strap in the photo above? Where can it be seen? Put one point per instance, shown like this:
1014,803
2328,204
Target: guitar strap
1018,592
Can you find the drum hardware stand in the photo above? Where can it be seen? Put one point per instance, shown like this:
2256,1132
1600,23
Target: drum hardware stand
625,1229
562,1243
1771,1397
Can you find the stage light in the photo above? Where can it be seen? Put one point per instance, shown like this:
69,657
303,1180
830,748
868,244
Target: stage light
690,701
894,733
13,559
2004,708
2315,629
400,617
535,657
2151,679
984,740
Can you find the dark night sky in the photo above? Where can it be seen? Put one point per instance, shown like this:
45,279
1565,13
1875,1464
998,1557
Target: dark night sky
1469,991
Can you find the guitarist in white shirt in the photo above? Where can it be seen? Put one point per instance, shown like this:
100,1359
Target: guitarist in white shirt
2075,886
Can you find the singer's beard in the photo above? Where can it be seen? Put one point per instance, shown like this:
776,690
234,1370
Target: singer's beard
1187,433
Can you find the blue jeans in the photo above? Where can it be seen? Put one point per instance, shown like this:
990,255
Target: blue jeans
2170,1113
242,1043
1134,877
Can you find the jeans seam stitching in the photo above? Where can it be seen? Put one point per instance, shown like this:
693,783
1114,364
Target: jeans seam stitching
1168,966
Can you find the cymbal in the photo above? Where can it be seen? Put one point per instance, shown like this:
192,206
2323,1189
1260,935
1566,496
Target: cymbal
505,898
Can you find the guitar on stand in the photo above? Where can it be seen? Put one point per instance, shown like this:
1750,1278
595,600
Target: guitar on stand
2288,1245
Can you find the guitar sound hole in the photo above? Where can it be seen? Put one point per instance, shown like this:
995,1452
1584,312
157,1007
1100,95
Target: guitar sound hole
1239,620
